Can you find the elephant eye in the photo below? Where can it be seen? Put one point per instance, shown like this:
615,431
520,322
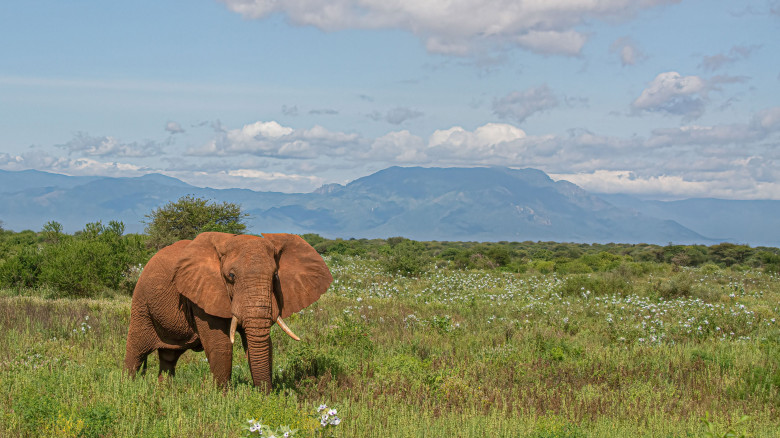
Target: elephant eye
232,277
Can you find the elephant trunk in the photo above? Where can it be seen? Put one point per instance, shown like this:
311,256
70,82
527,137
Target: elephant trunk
260,355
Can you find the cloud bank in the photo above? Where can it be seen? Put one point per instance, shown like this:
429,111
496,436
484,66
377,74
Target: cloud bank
734,160
460,27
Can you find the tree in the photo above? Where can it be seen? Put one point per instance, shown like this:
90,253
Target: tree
190,216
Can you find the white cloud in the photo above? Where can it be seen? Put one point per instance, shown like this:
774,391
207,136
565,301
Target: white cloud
673,186
673,94
519,105
106,146
628,51
270,139
484,143
69,166
173,128
767,119
549,41
398,147
460,27
737,160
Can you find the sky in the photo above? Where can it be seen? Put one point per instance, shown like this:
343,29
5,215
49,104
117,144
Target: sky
663,99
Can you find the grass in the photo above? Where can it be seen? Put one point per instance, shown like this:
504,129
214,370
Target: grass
637,351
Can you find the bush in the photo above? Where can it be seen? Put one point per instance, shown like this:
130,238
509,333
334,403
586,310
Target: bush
306,362
407,258
84,264
190,216
596,284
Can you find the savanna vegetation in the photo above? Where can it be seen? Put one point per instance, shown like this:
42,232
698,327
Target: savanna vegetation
529,339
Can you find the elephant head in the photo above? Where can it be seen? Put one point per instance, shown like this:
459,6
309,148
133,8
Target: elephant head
254,281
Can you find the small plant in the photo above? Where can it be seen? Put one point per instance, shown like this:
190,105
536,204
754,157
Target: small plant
326,417
257,428
712,428
328,421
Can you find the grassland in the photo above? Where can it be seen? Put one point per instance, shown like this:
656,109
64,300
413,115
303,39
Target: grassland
640,350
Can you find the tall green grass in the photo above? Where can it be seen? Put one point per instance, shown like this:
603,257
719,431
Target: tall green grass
628,352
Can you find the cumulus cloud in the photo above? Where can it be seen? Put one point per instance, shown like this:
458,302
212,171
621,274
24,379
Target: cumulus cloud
104,146
519,105
628,51
735,160
672,186
270,139
69,166
398,147
672,93
174,128
462,27
720,60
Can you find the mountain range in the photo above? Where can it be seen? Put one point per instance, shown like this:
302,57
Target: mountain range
472,204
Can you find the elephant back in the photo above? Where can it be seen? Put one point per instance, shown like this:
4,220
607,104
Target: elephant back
157,275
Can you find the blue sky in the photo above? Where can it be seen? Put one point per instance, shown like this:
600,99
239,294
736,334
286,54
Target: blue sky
658,98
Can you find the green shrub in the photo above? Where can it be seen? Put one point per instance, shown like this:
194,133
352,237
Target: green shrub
609,283
98,421
572,267
304,362
407,258
93,260
23,268
351,334
543,266
35,408
680,285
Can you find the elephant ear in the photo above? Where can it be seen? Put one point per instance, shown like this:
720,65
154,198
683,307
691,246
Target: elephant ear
199,275
302,274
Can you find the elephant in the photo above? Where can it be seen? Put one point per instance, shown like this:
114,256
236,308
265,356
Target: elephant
195,294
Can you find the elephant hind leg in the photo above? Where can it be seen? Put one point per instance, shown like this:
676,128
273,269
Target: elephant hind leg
135,361
168,359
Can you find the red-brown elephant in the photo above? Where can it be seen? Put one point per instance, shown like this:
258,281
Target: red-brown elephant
195,294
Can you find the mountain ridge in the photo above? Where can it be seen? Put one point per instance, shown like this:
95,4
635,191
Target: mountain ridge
481,203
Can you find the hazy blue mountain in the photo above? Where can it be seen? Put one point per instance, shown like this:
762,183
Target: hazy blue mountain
420,203
751,222
12,181
468,204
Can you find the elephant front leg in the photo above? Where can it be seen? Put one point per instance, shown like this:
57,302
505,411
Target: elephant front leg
213,334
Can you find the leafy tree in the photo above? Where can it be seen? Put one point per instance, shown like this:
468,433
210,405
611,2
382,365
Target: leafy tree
189,216
52,232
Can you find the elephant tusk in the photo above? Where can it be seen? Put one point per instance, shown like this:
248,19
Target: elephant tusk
286,329
233,324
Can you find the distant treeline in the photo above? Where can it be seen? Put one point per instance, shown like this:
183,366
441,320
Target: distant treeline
548,257
101,259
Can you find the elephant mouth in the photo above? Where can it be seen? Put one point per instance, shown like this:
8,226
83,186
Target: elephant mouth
279,320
